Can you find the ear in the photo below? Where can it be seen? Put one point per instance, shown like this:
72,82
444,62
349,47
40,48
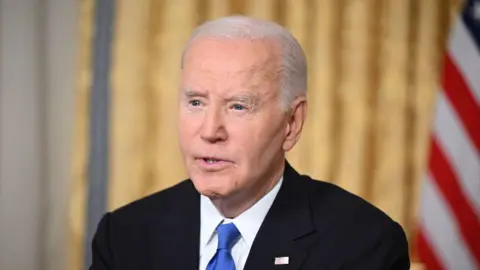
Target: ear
296,119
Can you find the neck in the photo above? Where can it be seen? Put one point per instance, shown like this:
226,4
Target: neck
235,205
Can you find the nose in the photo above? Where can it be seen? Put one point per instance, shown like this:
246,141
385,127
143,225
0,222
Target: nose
213,126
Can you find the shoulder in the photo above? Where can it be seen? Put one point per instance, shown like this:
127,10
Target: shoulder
124,232
157,204
328,199
352,226
349,216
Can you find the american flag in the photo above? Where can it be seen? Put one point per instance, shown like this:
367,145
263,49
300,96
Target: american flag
449,236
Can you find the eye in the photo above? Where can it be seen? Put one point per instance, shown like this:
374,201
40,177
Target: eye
238,107
194,103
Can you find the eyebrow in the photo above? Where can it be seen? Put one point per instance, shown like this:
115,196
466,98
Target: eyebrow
189,92
244,97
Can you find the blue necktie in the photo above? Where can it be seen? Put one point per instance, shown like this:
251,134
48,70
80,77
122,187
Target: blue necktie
227,237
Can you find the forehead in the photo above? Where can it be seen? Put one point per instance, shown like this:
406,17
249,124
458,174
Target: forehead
233,61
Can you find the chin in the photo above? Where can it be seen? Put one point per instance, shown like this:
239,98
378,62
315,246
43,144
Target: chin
212,186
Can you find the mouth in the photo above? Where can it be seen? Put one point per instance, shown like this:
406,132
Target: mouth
212,164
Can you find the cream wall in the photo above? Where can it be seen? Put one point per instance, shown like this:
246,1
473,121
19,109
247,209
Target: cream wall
37,67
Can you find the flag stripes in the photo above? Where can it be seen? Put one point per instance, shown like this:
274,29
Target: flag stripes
449,236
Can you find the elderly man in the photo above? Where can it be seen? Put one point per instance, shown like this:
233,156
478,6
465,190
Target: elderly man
242,106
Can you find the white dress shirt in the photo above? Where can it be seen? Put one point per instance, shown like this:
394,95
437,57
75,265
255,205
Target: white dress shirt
248,223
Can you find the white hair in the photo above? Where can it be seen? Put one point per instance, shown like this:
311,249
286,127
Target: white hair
293,81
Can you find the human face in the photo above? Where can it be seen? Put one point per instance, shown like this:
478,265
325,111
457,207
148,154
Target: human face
232,132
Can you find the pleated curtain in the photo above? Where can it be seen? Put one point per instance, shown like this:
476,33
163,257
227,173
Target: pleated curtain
373,73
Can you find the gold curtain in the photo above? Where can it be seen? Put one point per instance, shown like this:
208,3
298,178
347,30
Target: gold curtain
373,72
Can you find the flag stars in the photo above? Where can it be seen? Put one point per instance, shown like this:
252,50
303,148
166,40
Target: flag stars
476,11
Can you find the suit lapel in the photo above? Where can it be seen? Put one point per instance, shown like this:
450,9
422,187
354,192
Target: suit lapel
285,230
176,242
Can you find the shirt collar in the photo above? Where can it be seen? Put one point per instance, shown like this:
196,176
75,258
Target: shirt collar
210,218
248,223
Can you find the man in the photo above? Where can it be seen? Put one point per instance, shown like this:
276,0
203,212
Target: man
242,106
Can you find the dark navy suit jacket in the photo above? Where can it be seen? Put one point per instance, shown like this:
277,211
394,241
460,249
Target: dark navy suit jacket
316,224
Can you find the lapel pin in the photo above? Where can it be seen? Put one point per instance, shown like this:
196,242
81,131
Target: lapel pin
281,260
